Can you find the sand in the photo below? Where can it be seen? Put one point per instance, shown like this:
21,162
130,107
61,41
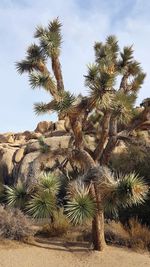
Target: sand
57,254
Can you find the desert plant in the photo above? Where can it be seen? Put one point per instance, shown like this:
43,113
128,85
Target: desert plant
16,196
113,81
44,202
14,224
111,194
134,235
59,227
44,148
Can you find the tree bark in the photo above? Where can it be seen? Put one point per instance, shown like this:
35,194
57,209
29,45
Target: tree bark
56,66
76,125
104,136
112,141
98,221
98,231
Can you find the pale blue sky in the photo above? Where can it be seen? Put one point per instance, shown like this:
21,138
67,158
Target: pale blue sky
84,22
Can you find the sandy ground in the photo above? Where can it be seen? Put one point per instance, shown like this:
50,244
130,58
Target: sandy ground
56,254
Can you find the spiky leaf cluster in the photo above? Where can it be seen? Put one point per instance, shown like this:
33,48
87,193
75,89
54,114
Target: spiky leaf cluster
50,183
41,205
38,80
50,38
43,202
122,106
34,58
17,196
128,190
65,104
116,191
80,206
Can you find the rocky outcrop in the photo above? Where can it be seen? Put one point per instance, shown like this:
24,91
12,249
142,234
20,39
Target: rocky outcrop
6,164
44,127
20,154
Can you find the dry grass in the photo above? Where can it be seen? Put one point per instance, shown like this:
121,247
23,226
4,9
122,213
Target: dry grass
58,228
14,225
135,235
139,235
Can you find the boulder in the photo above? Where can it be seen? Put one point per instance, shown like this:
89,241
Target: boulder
53,142
60,125
25,169
23,159
20,138
6,165
44,126
56,142
6,138
19,155
33,135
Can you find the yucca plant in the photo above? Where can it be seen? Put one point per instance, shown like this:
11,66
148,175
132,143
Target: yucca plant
49,183
16,196
41,205
113,193
44,201
113,82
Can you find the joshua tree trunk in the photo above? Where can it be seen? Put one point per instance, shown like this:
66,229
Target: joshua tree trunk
98,222
105,131
56,66
98,231
98,238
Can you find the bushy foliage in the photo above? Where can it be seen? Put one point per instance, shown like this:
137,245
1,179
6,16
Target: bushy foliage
134,235
14,224
130,159
58,228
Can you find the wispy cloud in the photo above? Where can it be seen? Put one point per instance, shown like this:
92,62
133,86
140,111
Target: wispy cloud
83,23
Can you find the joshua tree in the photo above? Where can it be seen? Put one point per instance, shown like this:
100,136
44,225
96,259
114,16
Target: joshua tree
107,113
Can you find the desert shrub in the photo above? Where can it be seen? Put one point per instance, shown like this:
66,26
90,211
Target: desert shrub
139,235
14,224
58,227
133,158
116,234
134,235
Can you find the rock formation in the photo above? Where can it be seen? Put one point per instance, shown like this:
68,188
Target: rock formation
20,156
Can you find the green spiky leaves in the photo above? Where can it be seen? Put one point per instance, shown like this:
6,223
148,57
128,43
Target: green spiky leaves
42,108
16,196
35,53
138,81
131,190
122,106
81,206
128,190
50,183
43,202
126,56
37,80
65,104
25,66
35,57
41,205
50,38
106,53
